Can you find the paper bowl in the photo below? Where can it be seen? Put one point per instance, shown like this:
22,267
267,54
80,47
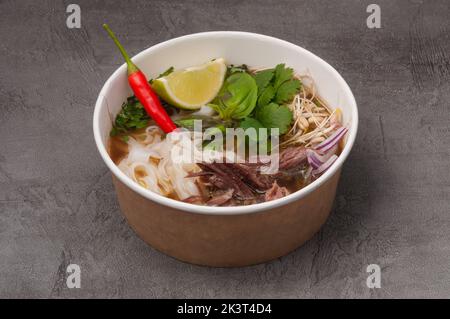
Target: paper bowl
226,236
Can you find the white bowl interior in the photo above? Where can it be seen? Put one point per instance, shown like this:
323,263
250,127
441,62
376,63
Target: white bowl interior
237,48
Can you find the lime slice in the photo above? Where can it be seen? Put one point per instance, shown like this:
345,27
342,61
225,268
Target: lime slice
193,87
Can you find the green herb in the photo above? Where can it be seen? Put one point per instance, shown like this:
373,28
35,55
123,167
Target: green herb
188,123
165,73
269,116
266,96
276,85
287,91
275,116
114,131
263,143
218,129
282,74
250,122
125,138
234,69
263,79
237,97
132,116
210,143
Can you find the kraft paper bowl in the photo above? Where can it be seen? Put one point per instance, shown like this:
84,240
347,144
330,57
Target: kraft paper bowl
226,236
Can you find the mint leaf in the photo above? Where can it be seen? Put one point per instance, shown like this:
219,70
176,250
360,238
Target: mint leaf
287,90
274,116
266,96
263,79
282,74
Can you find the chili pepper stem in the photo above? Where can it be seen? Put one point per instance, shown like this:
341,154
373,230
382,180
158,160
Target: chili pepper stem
131,67
142,90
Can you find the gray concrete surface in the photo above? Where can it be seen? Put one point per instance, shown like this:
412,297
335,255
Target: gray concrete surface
57,203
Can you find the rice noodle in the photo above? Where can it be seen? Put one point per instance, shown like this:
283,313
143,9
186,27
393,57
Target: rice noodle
150,164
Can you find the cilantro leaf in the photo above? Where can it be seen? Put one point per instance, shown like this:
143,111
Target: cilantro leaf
287,90
114,131
131,116
249,122
266,95
263,79
282,74
274,116
276,85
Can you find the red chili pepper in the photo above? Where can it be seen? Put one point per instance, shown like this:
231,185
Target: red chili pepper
144,93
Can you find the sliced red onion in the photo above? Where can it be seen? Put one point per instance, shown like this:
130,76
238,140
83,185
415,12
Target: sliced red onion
313,159
324,155
321,158
332,141
322,168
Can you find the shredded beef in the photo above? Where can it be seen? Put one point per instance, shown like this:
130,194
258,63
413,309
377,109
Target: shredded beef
194,200
225,176
231,183
250,174
292,157
220,198
276,192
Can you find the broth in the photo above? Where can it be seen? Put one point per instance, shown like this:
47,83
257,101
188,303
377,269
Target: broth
313,124
117,149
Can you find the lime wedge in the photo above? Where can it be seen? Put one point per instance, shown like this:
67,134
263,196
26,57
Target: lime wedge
193,87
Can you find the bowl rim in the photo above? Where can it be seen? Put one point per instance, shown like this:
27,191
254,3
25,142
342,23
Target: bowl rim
229,210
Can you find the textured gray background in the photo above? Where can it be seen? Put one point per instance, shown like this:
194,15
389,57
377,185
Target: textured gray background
57,204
